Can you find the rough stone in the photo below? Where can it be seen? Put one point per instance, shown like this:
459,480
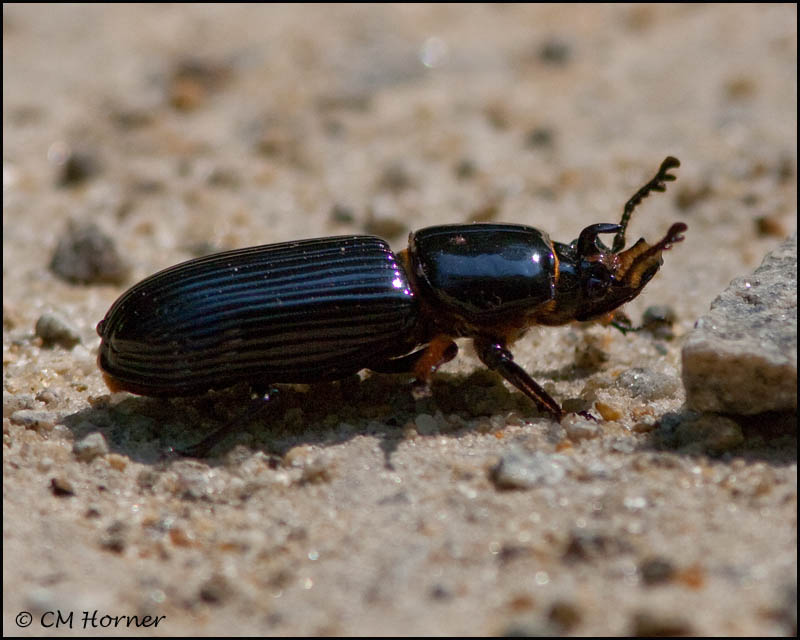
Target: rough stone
742,357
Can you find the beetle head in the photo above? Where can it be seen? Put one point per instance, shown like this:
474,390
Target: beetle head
609,279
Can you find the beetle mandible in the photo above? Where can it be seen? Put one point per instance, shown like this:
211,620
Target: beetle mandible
326,308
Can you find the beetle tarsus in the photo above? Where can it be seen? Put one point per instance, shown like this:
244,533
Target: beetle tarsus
623,328
622,323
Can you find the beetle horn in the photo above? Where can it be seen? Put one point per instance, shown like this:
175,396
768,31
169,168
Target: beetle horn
588,243
641,258
673,236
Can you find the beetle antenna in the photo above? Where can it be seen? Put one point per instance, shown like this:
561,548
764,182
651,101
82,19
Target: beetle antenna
658,183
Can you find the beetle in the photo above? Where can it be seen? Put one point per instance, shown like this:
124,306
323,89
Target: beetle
326,308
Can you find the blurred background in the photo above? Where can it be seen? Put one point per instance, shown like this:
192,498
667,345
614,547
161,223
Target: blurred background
136,136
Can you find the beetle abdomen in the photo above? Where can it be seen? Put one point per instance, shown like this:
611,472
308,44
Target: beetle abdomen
292,312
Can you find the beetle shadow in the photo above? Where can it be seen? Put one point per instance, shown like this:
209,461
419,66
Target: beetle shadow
154,430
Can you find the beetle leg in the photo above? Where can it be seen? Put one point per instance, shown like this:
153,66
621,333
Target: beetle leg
440,350
620,321
420,360
495,356
201,449
403,364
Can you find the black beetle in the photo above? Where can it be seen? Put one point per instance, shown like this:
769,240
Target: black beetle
326,308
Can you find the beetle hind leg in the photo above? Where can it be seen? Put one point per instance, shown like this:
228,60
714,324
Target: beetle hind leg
265,397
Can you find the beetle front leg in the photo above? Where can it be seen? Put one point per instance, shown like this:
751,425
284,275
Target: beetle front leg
495,356
620,321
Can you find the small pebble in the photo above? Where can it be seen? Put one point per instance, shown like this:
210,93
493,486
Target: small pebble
658,320
579,428
77,167
645,425
35,418
115,537
652,625
48,396
520,469
342,213
395,177
192,481
585,546
216,589
298,456
555,51
689,196
61,486
565,614
656,571
540,137
55,329
193,80
484,213
85,255
41,600
17,402
646,384
465,169
90,447
117,461
440,592
608,411
316,470
426,424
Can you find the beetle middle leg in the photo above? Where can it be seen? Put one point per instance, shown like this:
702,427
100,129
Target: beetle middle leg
423,363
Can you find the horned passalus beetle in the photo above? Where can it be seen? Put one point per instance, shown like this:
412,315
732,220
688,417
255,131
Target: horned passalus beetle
324,309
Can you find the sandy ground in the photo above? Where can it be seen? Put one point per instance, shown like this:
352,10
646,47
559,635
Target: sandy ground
353,509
